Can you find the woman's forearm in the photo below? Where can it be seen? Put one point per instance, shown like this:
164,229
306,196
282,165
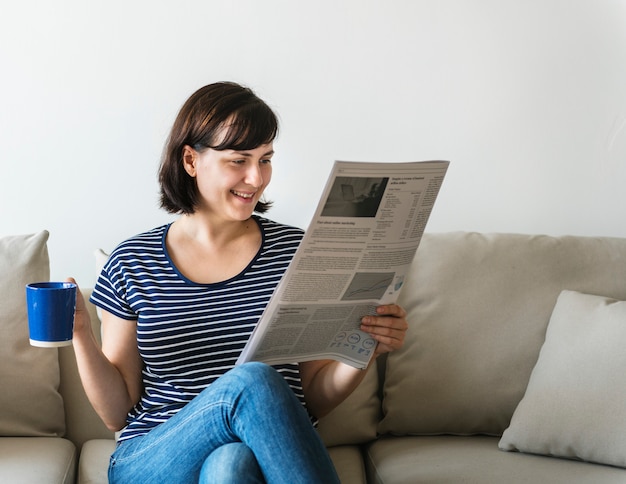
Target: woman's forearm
112,382
102,381
327,383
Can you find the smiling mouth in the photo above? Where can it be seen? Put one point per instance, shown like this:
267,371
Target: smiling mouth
242,195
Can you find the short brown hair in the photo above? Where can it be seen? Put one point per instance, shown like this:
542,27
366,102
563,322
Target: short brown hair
250,123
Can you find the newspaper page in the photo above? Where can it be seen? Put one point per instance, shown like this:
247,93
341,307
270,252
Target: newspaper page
353,257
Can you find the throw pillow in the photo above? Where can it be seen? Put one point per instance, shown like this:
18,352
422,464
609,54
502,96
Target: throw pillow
575,403
101,258
29,376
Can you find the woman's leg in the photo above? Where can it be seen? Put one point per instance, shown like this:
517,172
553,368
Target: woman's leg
231,464
251,404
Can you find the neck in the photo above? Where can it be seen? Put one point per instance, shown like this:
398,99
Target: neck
209,232
208,252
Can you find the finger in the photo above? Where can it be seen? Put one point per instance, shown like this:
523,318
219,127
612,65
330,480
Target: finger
391,322
381,325
80,301
391,310
387,343
388,328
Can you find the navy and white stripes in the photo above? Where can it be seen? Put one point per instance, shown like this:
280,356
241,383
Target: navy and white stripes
189,334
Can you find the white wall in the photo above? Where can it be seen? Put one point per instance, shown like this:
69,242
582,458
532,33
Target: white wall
527,98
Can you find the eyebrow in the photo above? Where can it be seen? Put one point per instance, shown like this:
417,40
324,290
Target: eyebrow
248,154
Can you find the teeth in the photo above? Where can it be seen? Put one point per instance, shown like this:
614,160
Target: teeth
243,195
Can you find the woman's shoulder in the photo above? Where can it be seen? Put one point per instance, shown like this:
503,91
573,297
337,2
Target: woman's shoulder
279,239
271,227
147,241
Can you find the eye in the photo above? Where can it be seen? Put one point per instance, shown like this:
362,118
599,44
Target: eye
266,161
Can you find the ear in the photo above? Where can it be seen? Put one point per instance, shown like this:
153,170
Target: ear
190,157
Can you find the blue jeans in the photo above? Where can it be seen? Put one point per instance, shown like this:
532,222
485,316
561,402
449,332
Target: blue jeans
248,426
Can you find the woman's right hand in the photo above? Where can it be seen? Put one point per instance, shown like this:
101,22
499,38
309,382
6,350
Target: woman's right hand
82,320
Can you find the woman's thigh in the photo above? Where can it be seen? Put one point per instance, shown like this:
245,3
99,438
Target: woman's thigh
251,404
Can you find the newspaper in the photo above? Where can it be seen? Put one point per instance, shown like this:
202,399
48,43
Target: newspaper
353,257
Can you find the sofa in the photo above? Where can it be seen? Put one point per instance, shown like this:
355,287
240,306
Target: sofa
512,371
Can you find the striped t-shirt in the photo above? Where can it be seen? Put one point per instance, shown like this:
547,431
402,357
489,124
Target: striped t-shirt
189,334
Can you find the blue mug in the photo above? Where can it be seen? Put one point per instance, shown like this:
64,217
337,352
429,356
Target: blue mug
50,307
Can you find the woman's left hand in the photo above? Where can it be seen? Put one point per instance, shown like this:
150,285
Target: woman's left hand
326,383
388,327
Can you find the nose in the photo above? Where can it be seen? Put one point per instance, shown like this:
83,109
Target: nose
254,175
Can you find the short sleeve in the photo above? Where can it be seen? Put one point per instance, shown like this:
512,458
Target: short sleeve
110,292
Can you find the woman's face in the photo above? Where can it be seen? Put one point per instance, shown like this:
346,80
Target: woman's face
230,182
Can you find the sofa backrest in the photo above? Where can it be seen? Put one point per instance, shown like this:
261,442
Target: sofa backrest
478,308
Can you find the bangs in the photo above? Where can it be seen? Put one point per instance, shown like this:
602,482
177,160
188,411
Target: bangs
248,128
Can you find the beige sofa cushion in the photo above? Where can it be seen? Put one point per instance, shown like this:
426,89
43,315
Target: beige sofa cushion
575,403
93,466
348,462
478,307
30,401
94,462
354,421
41,460
474,460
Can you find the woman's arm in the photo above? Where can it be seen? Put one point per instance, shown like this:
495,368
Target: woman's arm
326,383
111,375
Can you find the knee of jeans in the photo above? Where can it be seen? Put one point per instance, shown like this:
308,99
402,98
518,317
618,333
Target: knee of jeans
232,452
230,463
258,376
256,372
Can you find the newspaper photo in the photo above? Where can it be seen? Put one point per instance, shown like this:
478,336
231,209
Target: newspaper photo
353,257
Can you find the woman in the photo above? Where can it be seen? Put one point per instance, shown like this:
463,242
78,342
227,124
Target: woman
179,303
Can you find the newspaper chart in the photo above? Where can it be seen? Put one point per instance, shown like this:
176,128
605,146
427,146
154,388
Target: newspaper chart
353,257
